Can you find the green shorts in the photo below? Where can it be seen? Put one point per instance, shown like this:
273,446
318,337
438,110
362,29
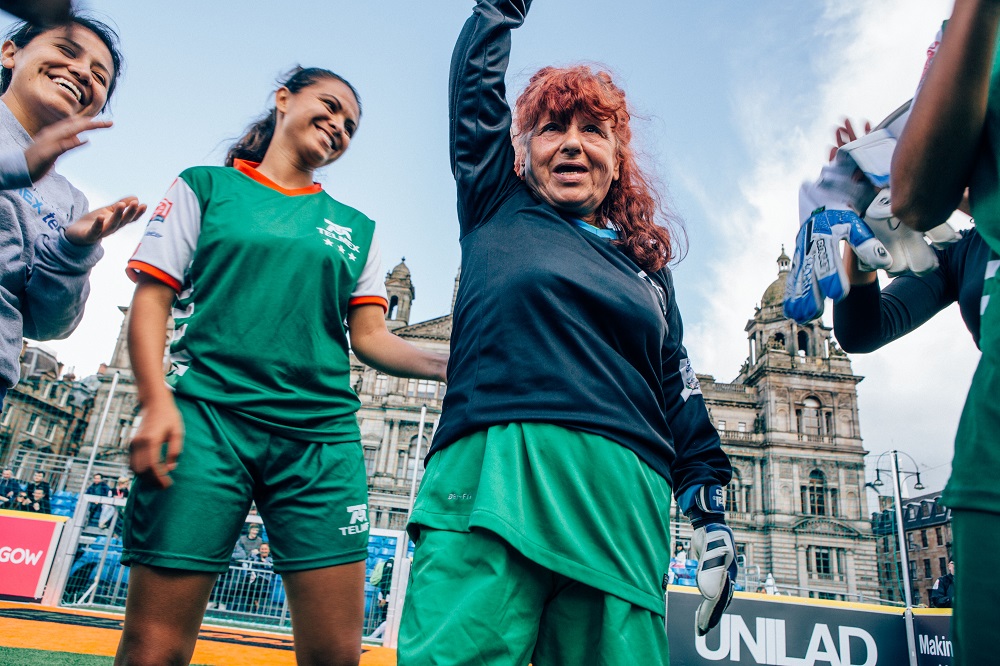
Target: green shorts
976,539
313,498
492,606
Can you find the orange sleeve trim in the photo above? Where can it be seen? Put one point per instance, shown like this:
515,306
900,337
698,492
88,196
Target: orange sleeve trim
135,267
249,169
369,300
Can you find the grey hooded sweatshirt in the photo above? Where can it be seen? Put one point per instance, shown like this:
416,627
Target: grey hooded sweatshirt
43,277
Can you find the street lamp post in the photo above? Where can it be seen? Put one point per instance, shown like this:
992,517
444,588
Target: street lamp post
901,536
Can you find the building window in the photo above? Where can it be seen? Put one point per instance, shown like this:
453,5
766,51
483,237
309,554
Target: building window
370,454
834,502
50,430
809,423
381,384
6,415
913,570
814,494
823,561
943,565
393,304
923,538
927,569
411,387
940,536
720,426
32,424
741,427
413,463
426,388
733,494
803,340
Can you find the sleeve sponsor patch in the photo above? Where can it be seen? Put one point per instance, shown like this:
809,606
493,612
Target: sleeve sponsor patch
691,384
162,210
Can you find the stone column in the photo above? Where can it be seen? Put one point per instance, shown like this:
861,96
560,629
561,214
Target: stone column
852,577
803,570
758,487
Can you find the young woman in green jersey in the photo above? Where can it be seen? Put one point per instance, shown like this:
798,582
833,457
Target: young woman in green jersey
952,141
262,269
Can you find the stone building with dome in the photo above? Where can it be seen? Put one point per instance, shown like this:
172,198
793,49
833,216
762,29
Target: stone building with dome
789,422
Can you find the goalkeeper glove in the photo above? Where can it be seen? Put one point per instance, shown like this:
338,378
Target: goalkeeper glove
715,549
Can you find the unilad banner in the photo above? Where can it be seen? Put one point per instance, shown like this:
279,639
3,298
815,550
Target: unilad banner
787,631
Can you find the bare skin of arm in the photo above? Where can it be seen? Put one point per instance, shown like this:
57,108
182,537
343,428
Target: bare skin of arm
374,345
934,155
161,422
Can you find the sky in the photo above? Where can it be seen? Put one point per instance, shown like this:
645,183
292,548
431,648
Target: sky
735,104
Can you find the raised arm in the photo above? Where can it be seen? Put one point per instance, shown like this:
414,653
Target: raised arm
935,154
482,156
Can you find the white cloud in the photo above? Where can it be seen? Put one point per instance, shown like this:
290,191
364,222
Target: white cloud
869,59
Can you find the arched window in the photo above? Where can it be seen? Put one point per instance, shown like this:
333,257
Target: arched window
808,417
733,494
814,494
393,305
412,462
803,340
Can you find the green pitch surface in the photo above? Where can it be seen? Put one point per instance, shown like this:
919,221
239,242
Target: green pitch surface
16,657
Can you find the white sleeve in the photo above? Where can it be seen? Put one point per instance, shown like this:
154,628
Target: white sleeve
166,250
370,288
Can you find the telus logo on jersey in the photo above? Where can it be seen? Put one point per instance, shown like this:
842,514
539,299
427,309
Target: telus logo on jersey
767,645
359,520
342,236
20,556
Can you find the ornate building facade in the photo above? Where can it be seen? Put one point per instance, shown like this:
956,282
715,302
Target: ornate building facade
47,412
789,423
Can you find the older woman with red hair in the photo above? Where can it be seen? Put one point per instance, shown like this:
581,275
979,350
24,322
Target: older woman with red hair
542,522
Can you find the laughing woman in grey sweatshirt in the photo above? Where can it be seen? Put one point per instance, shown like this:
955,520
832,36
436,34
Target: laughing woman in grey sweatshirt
53,82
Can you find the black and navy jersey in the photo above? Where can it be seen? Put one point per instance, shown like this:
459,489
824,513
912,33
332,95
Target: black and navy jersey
553,324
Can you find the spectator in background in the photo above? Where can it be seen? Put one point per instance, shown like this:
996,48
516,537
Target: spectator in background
38,481
250,542
9,487
120,491
100,488
39,501
260,579
21,501
944,589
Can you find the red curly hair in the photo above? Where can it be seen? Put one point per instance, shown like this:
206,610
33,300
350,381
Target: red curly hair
632,205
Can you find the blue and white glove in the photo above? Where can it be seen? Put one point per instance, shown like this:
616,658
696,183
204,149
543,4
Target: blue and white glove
714,547
817,268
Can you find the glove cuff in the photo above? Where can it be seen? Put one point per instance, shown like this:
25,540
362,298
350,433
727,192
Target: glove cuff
703,505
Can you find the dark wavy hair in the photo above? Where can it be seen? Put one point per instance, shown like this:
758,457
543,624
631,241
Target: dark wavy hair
23,33
257,137
632,205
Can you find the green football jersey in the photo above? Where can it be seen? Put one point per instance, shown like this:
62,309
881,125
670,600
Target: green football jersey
265,277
